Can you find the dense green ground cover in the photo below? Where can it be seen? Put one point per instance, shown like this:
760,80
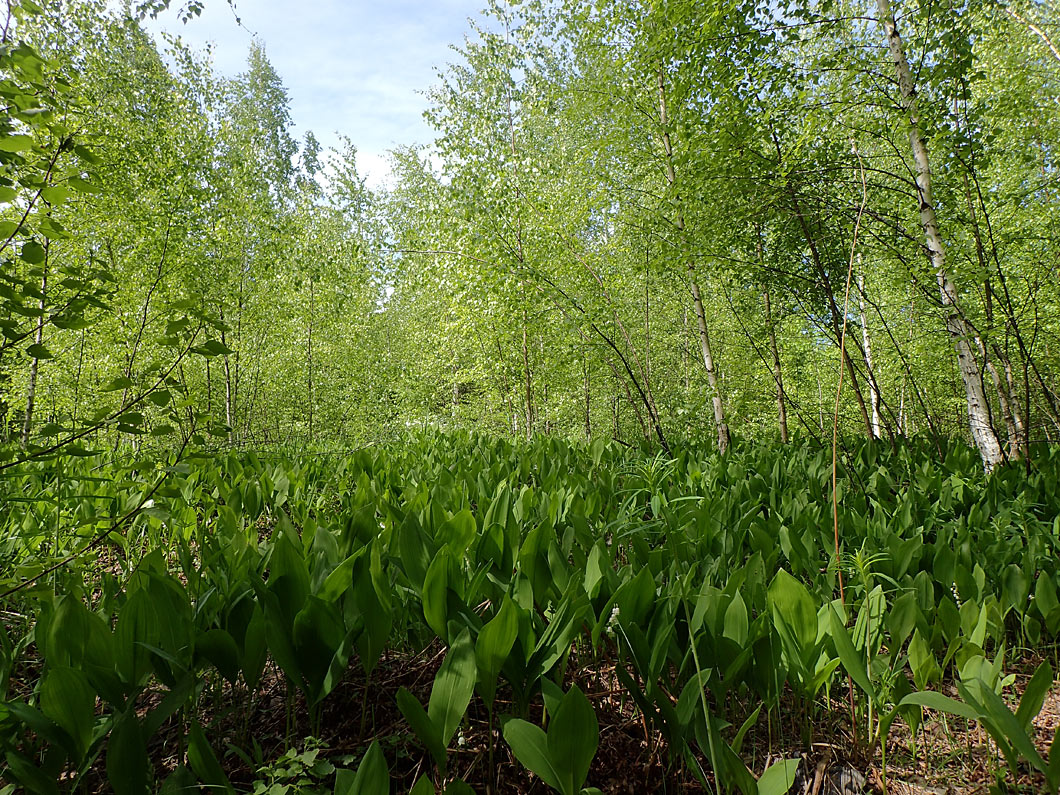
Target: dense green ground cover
708,583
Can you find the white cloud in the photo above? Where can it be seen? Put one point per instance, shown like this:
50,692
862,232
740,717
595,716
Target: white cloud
356,68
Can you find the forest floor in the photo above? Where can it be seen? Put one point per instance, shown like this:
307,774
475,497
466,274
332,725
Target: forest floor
950,756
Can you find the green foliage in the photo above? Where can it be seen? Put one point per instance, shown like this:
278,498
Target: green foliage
305,771
562,756
714,598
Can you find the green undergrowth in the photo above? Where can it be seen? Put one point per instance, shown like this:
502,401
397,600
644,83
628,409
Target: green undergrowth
708,583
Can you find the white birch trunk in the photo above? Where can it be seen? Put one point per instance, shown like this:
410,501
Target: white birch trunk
978,408
866,343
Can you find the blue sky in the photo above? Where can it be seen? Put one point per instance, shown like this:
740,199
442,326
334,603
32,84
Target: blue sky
356,67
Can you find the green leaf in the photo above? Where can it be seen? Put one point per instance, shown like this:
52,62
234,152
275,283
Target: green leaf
495,642
573,737
83,186
423,786
373,777
204,762
453,687
115,384
373,605
67,698
180,782
127,761
778,778
530,746
37,351
848,655
319,634
213,348
1005,728
422,725
735,620
937,701
340,580
32,252
53,230
1034,695
32,777
793,605
85,154
15,143
55,194
435,593
218,646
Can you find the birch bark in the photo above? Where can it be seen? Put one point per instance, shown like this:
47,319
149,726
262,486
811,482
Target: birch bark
978,408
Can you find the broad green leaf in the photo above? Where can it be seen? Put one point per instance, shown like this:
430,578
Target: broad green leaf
127,761
15,143
118,383
423,786
778,778
37,351
218,646
736,622
373,777
82,185
852,662
204,762
1034,695
792,603
453,687
941,703
55,194
530,746
422,726
494,644
573,736
32,252
435,594
67,698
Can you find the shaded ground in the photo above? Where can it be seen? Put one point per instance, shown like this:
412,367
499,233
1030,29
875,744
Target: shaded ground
951,756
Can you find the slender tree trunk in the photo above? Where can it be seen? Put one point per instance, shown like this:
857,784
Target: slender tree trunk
866,346
1006,400
684,347
588,425
77,378
309,354
513,420
782,410
978,408
697,299
529,389
34,366
1019,426
229,412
